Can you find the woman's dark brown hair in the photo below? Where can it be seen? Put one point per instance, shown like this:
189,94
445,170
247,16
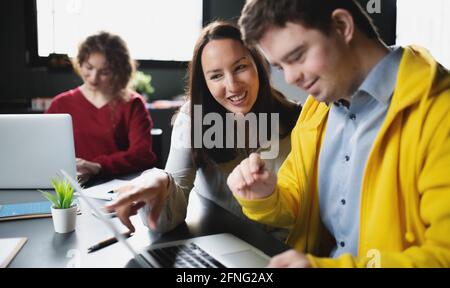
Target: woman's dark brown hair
268,100
116,53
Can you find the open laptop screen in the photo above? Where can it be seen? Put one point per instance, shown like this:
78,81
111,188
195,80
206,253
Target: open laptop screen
34,148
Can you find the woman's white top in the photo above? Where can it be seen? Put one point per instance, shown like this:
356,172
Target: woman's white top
209,182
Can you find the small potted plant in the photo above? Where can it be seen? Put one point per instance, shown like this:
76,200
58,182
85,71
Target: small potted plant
141,83
64,209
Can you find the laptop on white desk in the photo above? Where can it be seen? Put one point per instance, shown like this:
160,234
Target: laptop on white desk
33,148
212,251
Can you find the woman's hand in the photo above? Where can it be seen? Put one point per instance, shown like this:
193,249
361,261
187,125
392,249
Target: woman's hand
86,170
148,189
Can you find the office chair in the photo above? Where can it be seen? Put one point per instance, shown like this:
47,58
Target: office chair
157,135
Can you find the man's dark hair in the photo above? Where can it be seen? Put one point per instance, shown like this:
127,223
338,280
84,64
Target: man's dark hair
258,16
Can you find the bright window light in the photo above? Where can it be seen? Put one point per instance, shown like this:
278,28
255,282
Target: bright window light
153,29
425,23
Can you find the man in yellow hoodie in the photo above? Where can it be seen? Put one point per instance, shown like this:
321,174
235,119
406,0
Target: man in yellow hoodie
367,182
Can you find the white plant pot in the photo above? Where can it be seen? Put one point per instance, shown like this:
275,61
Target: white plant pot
64,220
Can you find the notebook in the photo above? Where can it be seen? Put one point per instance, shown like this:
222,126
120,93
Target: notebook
9,248
212,251
25,210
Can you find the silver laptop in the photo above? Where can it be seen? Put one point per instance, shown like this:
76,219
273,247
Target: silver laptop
213,251
33,148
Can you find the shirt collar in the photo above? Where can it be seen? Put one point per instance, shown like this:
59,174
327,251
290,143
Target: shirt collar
381,80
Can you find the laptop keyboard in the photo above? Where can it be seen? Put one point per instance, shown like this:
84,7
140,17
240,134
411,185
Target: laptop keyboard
184,256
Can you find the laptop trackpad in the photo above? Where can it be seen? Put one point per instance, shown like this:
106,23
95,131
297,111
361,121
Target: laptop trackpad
244,259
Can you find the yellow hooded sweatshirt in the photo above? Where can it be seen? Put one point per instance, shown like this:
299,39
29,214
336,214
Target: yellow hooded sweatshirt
405,194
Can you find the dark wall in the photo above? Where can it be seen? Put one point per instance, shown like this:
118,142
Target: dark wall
20,83
224,9
386,20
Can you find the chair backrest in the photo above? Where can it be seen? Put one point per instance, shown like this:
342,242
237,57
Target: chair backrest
157,135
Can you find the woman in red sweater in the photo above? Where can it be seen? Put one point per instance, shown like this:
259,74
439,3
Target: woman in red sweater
111,123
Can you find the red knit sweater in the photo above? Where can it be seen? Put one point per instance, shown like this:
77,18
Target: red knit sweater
116,135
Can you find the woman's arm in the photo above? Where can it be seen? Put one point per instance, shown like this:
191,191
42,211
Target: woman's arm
163,194
181,171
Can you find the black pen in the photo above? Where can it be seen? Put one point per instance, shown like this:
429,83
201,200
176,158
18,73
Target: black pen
108,242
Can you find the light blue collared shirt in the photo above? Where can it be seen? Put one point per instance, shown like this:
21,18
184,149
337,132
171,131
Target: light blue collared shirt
348,140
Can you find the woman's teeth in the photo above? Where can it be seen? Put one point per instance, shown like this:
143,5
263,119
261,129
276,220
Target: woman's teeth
237,97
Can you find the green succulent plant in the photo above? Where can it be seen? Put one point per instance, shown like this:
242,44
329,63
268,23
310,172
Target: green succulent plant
63,197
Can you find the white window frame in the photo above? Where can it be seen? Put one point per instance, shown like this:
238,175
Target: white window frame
161,30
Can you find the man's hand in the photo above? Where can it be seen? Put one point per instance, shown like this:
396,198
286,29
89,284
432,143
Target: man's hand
86,169
148,189
251,179
289,259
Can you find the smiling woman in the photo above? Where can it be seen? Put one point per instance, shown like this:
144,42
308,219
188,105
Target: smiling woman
224,77
230,74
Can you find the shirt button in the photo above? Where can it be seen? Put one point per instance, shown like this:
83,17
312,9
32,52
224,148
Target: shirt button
342,243
347,158
343,201
352,116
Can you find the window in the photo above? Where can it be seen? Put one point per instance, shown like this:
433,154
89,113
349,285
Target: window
425,23
162,30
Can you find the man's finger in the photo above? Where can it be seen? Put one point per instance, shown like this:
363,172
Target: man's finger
276,262
264,176
245,172
239,179
282,260
256,163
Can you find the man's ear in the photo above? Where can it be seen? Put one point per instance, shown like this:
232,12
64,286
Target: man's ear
343,24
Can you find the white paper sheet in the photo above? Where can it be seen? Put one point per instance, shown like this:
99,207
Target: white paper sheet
9,248
104,191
